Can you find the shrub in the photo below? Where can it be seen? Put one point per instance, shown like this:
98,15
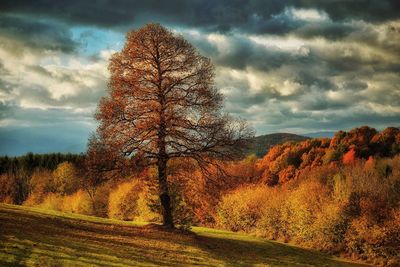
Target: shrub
304,207
182,212
269,178
8,188
273,224
342,187
52,201
34,198
241,209
331,155
330,227
100,200
40,184
145,211
123,201
378,242
349,157
65,178
287,174
79,202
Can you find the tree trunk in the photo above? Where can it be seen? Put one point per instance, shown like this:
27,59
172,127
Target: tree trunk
164,194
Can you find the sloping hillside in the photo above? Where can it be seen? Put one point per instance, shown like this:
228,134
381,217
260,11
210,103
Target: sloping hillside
34,237
260,145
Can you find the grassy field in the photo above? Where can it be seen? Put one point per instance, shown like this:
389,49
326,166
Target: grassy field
36,237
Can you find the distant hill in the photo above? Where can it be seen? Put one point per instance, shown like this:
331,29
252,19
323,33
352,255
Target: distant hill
324,134
261,144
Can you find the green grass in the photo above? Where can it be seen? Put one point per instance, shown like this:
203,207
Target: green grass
37,237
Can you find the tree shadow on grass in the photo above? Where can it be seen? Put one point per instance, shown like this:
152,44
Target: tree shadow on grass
236,252
88,243
39,237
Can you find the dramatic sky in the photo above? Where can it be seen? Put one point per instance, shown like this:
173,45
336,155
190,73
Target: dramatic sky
285,66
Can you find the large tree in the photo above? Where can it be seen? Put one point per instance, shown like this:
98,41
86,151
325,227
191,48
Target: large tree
162,104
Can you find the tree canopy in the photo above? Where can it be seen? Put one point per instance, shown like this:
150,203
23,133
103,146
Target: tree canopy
163,104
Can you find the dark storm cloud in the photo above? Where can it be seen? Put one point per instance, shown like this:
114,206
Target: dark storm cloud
315,76
222,15
5,110
241,97
98,13
318,101
278,24
355,60
355,85
330,30
37,34
370,10
284,65
5,86
301,121
241,53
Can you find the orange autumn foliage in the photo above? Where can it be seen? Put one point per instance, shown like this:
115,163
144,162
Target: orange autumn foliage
370,163
349,209
339,195
349,157
286,162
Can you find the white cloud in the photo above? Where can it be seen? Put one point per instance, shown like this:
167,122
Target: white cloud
277,82
284,43
41,80
290,87
311,15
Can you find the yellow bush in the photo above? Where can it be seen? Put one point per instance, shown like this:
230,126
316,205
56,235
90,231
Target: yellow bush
305,213
241,209
330,226
40,184
123,201
303,205
144,212
342,187
52,201
34,198
273,224
79,202
100,200
41,181
65,178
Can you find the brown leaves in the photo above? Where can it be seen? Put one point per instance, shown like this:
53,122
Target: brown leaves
162,99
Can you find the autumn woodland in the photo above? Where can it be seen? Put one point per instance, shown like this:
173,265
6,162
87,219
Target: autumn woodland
166,153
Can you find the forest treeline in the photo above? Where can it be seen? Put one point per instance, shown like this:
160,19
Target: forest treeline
339,195
16,172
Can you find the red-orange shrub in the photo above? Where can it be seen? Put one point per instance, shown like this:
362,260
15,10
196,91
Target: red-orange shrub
349,157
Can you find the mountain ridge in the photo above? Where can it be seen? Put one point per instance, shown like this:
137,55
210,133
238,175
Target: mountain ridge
260,145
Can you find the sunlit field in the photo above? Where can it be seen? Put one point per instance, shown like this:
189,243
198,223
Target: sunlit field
37,237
